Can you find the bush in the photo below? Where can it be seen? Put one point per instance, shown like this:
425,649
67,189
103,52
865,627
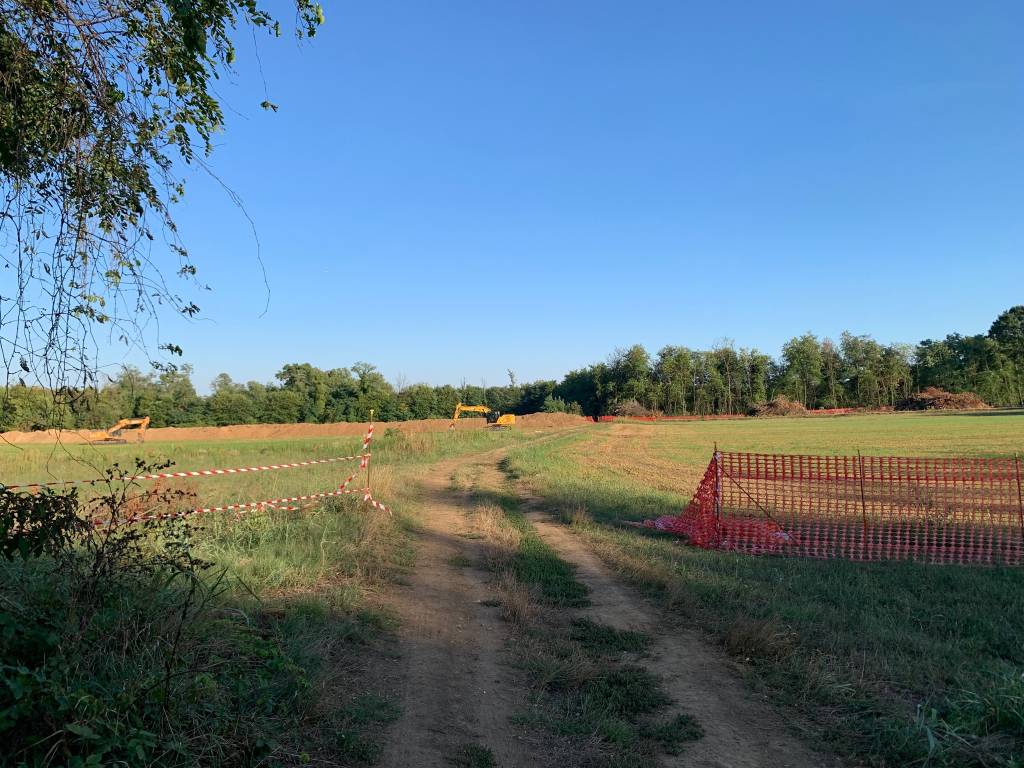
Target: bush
554,405
114,648
935,399
780,406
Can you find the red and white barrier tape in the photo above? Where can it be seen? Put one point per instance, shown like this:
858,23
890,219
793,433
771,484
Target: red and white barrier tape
363,458
343,489
251,505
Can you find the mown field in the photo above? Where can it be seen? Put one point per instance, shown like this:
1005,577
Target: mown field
894,664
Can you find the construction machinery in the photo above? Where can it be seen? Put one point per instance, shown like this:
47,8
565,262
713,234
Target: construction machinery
115,434
495,420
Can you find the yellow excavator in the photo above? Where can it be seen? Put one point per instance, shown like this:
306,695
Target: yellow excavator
495,420
114,435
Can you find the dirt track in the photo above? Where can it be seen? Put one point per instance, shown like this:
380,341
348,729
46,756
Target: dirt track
457,687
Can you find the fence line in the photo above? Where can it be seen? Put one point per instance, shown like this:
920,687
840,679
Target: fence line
957,510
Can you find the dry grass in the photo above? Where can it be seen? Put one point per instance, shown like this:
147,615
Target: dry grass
576,514
501,538
519,604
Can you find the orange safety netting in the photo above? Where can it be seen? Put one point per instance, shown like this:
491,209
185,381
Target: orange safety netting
858,508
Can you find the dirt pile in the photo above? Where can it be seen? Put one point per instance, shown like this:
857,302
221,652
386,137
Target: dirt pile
538,420
780,406
293,431
935,399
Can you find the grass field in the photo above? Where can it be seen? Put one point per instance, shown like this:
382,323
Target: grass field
286,618
895,663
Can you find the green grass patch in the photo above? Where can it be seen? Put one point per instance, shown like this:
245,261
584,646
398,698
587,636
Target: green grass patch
675,732
537,565
604,640
583,690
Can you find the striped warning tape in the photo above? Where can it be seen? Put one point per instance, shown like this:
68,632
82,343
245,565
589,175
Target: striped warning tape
251,505
364,462
363,458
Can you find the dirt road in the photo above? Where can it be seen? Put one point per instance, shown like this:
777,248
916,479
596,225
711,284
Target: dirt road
457,687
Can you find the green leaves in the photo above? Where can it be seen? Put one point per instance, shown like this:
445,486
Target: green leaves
100,101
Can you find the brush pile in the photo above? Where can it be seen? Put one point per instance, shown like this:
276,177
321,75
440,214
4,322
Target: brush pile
935,399
780,406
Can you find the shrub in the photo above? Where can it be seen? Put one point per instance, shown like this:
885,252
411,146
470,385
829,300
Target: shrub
113,648
554,405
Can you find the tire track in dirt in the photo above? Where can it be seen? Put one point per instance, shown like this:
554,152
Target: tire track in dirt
455,686
453,680
740,729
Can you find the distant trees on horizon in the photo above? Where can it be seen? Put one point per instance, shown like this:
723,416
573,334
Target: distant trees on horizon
855,371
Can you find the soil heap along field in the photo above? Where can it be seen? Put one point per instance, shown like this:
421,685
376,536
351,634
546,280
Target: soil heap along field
292,431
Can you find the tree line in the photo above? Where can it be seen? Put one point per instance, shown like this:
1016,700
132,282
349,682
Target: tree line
853,371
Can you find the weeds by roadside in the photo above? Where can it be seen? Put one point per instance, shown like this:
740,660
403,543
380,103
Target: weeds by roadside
473,756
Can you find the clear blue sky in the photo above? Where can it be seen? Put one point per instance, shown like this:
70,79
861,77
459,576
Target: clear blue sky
453,189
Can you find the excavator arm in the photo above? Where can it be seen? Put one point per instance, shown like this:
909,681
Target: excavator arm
461,409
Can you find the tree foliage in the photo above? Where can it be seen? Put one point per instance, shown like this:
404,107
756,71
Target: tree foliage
102,102
856,371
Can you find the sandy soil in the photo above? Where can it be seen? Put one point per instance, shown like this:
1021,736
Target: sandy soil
291,431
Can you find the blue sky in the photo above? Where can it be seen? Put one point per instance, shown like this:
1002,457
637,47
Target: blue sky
452,189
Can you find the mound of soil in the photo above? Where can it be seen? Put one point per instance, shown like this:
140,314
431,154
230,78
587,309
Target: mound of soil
935,399
290,431
781,406
538,420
